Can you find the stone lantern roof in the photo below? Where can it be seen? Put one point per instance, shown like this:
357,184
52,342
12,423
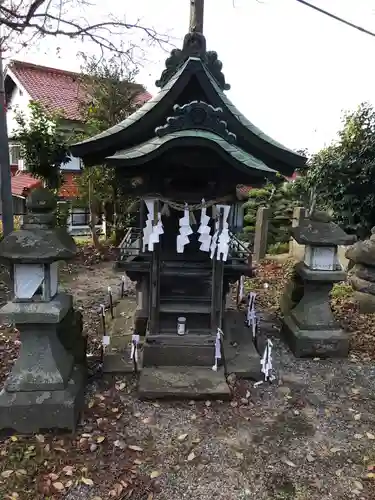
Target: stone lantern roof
320,231
38,241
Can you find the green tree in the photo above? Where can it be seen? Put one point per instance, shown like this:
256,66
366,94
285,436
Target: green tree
342,175
280,199
109,97
43,144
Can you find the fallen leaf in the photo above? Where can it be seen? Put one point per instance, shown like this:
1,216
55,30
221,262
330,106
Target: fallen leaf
182,437
370,475
135,448
191,456
310,458
121,386
87,481
21,472
369,435
120,444
334,450
68,470
150,496
58,486
138,462
14,438
289,462
100,439
69,483
357,416
358,485
7,473
53,476
355,391
117,490
358,436
40,438
154,474
239,455
138,414
91,403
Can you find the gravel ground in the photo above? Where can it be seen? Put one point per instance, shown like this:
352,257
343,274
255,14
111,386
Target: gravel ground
308,436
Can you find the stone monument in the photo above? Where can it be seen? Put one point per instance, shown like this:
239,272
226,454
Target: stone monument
45,389
362,276
308,322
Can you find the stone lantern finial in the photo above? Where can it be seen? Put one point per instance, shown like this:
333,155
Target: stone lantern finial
41,206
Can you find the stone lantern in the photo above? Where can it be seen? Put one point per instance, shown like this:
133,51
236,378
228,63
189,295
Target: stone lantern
45,389
308,322
362,276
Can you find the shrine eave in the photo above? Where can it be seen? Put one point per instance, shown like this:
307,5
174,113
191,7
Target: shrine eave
153,111
140,126
153,148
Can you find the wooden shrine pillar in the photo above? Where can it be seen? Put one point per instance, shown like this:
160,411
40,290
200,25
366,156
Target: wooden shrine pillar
217,284
154,322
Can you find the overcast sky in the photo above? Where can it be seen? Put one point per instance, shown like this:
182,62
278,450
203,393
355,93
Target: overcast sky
292,70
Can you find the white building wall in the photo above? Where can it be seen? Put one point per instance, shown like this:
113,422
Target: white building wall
19,102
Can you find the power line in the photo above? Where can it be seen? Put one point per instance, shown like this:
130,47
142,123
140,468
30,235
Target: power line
337,18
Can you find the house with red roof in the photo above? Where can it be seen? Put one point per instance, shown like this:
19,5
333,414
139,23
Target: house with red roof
57,90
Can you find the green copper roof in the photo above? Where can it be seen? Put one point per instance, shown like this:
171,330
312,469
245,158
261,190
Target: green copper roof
159,144
241,118
137,115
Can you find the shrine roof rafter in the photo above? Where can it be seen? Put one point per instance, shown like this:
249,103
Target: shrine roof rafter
149,150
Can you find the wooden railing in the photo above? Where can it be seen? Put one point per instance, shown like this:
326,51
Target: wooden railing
131,246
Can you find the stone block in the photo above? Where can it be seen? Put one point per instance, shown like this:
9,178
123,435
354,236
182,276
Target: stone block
366,302
174,354
179,382
119,362
240,354
322,343
36,411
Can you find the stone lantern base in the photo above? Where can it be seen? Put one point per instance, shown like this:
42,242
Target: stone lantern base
46,387
35,411
308,323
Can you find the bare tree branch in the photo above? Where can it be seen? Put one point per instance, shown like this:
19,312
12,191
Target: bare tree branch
29,20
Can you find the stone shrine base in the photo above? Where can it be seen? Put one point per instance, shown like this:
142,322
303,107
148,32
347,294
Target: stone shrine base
34,411
328,343
182,382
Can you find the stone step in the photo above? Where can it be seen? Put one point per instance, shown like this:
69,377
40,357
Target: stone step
181,382
185,307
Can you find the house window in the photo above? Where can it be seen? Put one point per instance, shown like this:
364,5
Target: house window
73,164
14,153
80,217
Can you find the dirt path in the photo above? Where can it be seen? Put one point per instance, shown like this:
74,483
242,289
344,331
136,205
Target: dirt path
308,436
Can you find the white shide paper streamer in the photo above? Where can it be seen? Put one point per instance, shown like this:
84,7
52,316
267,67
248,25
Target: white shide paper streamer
185,231
219,336
204,230
134,349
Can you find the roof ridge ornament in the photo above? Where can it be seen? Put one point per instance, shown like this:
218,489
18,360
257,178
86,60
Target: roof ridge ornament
194,46
197,115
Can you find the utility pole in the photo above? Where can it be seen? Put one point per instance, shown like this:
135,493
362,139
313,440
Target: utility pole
196,16
5,176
